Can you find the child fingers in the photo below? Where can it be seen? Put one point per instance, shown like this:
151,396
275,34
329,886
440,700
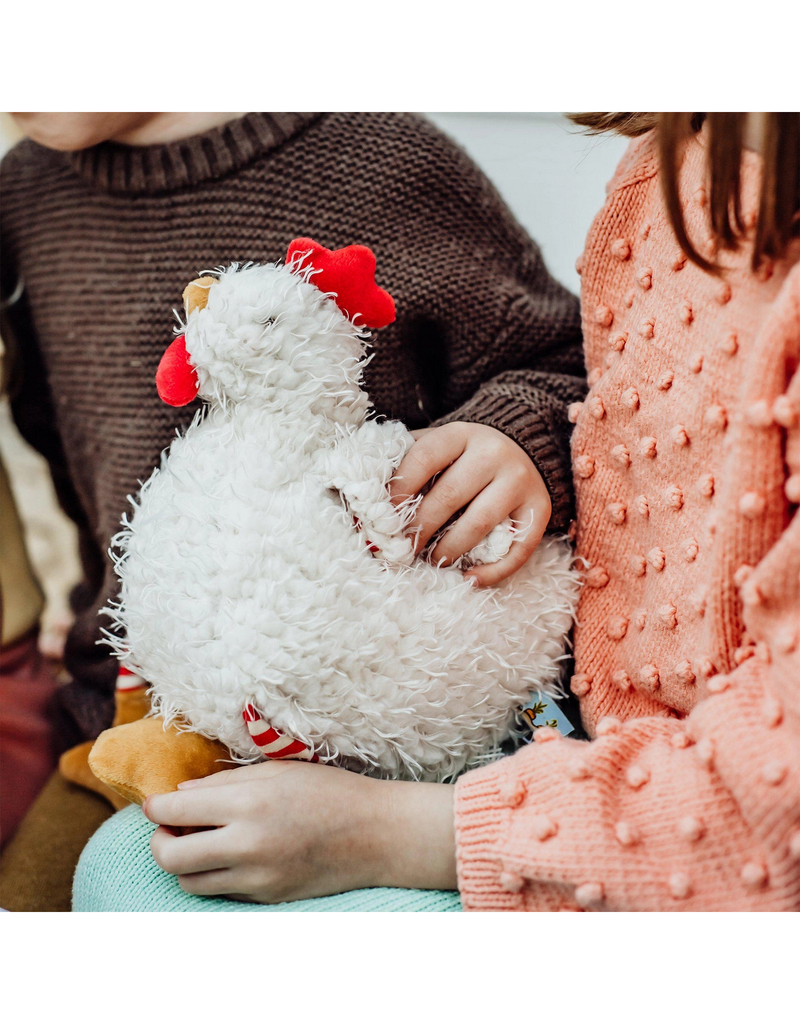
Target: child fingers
484,512
532,522
452,491
244,773
491,575
432,453
209,883
201,806
450,494
184,855
222,778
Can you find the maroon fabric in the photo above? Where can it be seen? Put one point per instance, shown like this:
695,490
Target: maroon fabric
27,747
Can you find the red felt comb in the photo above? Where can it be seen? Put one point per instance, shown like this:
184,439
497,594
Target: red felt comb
350,274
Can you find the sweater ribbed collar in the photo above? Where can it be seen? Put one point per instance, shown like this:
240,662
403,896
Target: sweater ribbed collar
115,167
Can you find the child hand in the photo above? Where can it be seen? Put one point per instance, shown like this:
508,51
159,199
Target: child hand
287,830
487,471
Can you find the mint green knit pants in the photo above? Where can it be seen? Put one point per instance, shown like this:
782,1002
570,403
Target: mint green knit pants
117,872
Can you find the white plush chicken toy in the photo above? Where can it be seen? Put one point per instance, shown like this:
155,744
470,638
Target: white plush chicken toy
270,595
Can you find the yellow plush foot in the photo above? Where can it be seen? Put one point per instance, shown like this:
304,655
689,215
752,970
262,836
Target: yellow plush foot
74,766
142,758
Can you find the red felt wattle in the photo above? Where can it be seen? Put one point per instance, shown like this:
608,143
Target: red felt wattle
176,378
350,274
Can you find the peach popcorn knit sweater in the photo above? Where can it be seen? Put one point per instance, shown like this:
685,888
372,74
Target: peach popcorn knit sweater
687,465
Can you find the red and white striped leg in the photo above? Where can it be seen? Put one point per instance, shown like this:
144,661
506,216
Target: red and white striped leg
128,680
131,699
273,744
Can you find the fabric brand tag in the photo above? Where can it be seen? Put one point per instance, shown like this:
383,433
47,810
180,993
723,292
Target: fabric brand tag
543,710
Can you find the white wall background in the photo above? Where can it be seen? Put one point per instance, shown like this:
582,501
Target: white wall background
8,133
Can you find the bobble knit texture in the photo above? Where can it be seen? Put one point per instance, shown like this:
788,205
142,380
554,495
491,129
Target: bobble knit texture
106,239
694,802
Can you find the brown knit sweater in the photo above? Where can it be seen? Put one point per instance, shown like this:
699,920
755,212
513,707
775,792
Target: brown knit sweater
105,240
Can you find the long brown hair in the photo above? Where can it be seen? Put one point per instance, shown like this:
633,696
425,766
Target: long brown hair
779,207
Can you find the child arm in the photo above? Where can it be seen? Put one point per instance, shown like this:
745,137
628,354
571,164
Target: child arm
667,814
655,814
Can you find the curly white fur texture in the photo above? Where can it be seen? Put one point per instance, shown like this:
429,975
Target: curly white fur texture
244,578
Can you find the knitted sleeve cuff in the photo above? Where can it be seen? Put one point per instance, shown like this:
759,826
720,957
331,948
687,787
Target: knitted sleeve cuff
482,820
498,406
655,814
492,805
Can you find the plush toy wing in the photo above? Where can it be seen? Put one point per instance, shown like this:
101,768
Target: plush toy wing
349,274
